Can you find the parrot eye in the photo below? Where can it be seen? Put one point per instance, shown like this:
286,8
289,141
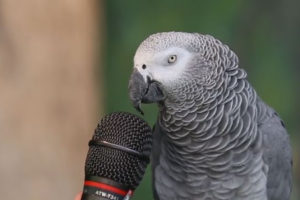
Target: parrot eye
172,59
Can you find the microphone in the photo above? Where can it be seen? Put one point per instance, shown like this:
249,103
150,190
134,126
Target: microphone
118,155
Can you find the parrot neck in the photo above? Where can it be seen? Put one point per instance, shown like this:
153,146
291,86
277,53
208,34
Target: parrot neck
192,126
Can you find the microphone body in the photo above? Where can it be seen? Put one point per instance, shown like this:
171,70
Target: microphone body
117,158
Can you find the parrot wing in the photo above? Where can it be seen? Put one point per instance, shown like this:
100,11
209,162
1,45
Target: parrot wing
277,155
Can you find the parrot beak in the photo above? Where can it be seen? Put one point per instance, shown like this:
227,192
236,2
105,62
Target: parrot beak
143,92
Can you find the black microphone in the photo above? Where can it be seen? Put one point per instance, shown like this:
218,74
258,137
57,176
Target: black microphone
117,158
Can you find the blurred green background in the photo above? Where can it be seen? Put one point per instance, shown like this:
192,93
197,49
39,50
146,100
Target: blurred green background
51,98
264,34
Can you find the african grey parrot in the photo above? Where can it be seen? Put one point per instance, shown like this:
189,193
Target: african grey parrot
214,138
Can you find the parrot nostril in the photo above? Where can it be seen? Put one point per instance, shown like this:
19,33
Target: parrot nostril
144,66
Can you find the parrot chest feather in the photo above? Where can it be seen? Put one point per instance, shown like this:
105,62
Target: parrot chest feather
213,153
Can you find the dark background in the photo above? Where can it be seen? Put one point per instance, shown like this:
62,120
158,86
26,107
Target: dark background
264,34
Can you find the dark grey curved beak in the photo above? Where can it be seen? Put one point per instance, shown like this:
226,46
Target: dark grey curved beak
143,92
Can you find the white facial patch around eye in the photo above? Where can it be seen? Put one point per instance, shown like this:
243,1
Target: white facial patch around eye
166,72
157,66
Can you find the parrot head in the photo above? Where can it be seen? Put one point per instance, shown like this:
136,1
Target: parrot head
175,66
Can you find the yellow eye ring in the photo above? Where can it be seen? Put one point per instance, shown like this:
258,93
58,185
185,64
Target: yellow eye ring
172,59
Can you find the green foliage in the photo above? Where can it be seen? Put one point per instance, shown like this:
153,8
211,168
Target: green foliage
263,36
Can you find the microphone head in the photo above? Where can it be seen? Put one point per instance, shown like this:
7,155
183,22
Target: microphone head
120,129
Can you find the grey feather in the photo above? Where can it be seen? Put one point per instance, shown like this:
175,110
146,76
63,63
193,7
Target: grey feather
215,138
277,154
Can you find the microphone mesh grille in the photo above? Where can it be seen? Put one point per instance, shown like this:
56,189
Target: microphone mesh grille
123,129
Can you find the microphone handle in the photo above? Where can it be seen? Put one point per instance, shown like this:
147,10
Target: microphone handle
97,197
99,188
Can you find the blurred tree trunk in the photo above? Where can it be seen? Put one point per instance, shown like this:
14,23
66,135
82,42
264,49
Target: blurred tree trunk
48,96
